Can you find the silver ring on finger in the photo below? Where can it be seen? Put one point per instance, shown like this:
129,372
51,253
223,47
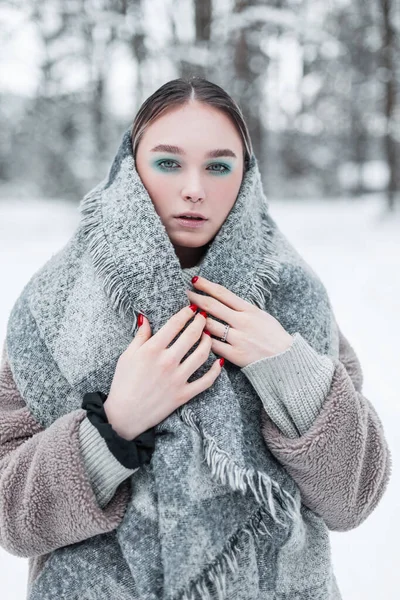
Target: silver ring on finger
223,339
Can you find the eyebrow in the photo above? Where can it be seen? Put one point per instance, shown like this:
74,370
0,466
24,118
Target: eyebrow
177,150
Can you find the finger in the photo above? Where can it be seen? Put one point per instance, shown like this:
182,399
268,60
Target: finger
215,308
218,329
143,333
188,338
221,293
171,328
196,358
224,349
202,383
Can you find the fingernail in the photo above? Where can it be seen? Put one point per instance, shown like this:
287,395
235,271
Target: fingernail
203,312
140,319
194,307
194,279
221,361
207,332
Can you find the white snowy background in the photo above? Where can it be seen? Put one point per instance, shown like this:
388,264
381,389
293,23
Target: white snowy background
355,249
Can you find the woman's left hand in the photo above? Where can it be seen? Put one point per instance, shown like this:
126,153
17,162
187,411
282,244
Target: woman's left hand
253,333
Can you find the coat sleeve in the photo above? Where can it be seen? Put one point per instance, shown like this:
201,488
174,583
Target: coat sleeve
341,460
47,499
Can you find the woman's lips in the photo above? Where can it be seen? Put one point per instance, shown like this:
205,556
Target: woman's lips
191,223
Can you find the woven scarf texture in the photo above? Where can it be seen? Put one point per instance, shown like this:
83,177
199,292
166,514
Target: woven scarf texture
214,515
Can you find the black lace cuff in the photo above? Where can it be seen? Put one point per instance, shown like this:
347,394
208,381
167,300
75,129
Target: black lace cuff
130,453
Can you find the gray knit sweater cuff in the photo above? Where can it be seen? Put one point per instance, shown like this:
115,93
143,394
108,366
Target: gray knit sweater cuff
104,470
292,385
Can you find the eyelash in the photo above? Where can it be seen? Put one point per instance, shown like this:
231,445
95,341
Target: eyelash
226,169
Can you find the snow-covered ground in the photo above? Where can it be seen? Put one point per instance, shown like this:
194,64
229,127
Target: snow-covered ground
355,250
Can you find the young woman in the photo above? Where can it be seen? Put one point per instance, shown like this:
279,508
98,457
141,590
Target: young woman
158,441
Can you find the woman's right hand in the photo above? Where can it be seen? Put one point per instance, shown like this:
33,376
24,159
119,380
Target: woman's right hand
150,381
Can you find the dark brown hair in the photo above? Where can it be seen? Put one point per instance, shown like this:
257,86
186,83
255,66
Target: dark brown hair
178,92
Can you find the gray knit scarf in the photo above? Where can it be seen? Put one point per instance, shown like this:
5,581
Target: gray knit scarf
214,515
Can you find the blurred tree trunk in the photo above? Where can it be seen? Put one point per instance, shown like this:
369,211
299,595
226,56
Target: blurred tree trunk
95,69
138,48
388,52
203,17
201,45
360,72
249,66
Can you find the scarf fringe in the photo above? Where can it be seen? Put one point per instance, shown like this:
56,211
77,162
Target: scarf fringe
211,584
266,490
90,209
267,273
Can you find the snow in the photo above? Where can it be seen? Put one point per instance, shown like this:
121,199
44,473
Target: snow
355,249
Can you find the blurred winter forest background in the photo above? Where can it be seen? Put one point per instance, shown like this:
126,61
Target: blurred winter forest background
318,82
319,85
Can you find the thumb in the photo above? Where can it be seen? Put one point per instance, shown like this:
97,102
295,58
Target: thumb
141,336
144,329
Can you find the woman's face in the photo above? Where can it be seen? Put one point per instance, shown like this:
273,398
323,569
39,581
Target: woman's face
181,175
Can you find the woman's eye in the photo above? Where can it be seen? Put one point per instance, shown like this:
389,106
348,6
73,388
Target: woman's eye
160,164
167,166
223,170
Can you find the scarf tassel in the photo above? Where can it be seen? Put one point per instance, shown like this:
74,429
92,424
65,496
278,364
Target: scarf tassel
267,273
226,471
103,261
211,584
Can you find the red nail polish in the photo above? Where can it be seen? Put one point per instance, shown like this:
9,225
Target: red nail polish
194,307
207,332
140,319
221,361
194,279
203,312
